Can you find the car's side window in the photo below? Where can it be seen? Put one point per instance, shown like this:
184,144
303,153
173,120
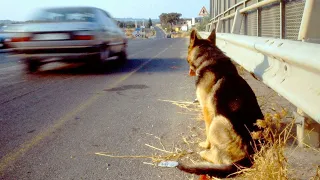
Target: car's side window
104,20
111,20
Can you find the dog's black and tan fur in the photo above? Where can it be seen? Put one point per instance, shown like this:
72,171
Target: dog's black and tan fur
229,106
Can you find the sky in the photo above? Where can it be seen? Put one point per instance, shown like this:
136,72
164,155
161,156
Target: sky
19,10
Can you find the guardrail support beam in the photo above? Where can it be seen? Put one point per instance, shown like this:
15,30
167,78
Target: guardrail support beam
211,27
208,27
218,27
308,131
237,21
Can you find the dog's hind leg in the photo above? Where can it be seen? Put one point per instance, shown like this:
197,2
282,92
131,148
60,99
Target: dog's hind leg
216,156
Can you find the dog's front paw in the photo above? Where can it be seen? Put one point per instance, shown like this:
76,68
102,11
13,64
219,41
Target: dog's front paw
205,144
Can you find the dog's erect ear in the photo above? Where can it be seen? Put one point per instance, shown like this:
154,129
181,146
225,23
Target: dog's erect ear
212,37
194,37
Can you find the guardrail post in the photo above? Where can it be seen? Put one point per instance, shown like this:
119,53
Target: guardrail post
308,131
237,21
212,26
207,27
219,26
309,29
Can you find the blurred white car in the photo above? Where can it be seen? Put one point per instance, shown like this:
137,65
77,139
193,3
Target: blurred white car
68,34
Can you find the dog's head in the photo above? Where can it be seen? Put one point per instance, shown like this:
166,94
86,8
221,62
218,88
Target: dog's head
195,50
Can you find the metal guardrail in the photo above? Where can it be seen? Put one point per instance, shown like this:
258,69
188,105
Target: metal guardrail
277,41
290,68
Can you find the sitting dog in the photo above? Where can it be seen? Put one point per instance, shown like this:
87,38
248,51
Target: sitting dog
229,107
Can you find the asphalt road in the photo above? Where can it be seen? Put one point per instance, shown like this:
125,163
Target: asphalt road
159,33
53,122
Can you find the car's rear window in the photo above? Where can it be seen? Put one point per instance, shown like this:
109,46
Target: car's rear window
65,15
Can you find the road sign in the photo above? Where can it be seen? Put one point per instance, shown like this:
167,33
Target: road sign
138,33
203,12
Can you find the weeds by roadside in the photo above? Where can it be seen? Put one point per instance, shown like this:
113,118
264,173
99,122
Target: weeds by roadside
270,162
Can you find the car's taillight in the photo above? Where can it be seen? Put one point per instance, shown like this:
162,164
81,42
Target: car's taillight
83,37
20,39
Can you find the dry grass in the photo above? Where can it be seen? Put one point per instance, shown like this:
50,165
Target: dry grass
317,176
181,35
129,33
240,69
270,162
151,33
190,108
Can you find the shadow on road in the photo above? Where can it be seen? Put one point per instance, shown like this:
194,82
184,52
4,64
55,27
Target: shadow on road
113,67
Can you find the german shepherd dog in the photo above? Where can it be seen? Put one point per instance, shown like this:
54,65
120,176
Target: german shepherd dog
229,107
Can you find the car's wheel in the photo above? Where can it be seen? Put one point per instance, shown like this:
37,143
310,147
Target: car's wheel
98,60
103,54
122,57
32,66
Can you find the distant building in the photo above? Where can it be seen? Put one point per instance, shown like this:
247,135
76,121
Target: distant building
184,28
187,22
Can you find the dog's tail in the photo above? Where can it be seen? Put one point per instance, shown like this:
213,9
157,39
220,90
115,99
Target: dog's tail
219,171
